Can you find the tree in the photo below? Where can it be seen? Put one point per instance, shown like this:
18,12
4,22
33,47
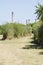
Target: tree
39,12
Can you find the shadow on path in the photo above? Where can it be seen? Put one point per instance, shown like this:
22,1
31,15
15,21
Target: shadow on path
40,53
32,45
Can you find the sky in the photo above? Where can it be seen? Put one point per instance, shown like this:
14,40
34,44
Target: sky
23,9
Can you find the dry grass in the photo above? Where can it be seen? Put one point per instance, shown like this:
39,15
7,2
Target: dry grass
11,53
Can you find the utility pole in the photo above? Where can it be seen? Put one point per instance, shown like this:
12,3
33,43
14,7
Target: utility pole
12,16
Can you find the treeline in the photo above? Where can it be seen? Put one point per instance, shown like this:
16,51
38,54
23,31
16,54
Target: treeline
11,30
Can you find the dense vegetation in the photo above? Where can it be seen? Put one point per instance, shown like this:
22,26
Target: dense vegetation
38,26
11,30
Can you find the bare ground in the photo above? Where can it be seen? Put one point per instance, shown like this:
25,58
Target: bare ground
12,52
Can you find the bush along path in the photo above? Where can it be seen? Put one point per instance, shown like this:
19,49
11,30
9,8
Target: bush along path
12,30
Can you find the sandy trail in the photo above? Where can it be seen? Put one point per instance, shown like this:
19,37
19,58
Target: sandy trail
12,53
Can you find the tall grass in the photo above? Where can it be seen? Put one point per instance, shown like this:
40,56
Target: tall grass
11,30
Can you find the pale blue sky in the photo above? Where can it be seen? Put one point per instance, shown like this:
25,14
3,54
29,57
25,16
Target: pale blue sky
23,9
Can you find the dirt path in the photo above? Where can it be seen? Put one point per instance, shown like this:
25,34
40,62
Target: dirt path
14,53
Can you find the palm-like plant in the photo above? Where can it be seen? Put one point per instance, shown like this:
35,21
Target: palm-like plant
39,12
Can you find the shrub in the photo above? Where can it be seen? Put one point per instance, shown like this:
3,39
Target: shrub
7,31
4,31
40,35
29,29
35,29
19,30
0,29
10,30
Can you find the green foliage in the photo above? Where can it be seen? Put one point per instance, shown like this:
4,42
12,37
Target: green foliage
40,35
39,12
4,28
35,28
21,30
11,30
0,29
7,31
4,31
38,31
29,28
17,30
